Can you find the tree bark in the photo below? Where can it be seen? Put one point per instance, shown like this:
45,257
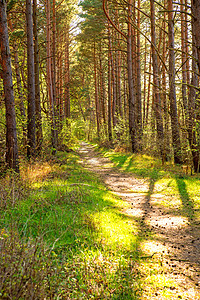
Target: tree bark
19,87
172,87
38,117
96,93
50,80
194,110
184,58
138,81
31,81
67,78
109,90
159,121
196,26
132,129
11,133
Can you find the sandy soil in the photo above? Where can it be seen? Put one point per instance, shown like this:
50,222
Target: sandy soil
177,241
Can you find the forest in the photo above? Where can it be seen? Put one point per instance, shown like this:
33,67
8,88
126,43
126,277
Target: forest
99,149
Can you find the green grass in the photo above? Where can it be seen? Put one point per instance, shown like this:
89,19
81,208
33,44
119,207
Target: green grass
92,243
170,181
90,248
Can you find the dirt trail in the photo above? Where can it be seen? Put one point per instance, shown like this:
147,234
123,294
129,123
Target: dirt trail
176,243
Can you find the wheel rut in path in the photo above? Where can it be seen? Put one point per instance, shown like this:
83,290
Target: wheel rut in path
176,243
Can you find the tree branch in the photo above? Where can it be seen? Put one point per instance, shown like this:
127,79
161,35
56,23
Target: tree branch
109,19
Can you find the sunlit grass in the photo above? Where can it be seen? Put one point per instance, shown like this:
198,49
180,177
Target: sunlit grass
92,243
96,250
169,180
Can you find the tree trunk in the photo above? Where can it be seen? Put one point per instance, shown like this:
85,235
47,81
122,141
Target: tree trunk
102,88
19,88
113,83
38,118
148,92
184,58
31,81
67,79
11,134
96,93
50,80
145,84
109,90
172,88
159,121
138,85
196,26
118,71
194,113
132,129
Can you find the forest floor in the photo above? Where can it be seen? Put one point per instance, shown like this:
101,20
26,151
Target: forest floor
94,223
170,238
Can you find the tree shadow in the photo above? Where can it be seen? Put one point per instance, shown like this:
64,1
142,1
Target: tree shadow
188,204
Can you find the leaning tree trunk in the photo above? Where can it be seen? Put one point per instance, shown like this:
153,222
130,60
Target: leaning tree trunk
31,81
172,88
11,134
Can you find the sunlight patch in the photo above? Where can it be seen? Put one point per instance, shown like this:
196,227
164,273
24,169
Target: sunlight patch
168,222
136,212
94,161
167,201
151,247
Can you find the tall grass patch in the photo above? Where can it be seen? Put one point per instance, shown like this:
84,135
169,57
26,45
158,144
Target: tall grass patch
66,236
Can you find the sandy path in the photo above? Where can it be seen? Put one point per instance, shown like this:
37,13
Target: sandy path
176,244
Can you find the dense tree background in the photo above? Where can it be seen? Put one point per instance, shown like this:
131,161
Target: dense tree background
122,73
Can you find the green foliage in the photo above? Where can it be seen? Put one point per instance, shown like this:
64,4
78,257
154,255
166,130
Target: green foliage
94,19
10,5
121,131
66,136
18,33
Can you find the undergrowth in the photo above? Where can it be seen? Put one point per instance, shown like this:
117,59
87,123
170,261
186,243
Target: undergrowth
64,236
